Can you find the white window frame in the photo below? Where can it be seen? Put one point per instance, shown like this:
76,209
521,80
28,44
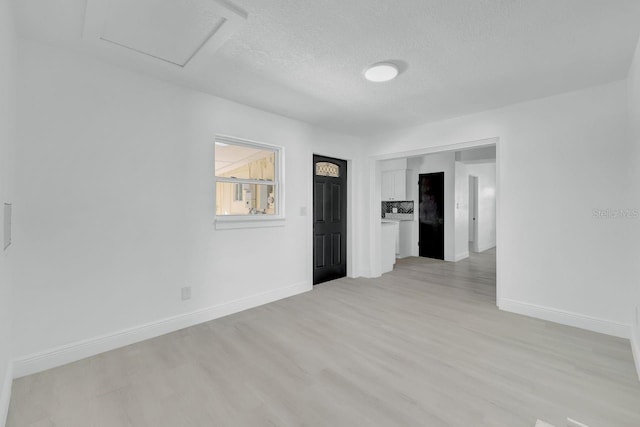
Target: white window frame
252,221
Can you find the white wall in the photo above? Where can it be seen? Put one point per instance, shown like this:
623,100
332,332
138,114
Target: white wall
486,219
461,211
477,155
634,198
116,203
7,145
558,159
393,165
443,162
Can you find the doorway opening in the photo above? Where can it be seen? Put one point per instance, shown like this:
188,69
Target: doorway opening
431,215
329,219
482,203
468,218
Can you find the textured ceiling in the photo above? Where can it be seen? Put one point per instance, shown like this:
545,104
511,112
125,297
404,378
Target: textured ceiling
304,58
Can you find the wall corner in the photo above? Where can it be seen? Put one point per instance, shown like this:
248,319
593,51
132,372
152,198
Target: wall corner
5,394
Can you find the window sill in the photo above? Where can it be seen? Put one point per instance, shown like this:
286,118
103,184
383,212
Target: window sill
258,221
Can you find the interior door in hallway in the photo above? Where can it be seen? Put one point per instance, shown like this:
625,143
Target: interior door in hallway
329,219
431,207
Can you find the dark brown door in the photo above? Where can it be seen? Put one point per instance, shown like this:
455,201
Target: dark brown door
329,219
431,239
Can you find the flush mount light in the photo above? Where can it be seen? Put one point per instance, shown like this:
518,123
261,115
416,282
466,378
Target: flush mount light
381,72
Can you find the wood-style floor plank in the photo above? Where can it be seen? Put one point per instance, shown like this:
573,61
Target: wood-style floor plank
424,345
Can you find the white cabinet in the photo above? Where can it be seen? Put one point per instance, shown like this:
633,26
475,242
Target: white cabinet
394,185
388,185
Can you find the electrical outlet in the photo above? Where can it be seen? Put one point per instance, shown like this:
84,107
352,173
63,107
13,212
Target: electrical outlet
186,293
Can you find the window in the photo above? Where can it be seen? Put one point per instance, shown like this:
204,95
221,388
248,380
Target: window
327,169
247,175
237,192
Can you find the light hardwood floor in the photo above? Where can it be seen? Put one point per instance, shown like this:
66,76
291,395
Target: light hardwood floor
421,346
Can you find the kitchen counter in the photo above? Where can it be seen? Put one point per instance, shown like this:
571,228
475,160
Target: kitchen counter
396,222
389,236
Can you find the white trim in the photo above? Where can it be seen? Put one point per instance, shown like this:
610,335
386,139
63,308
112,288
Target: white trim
233,222
563,317
81,349
439,149
477,162
251,143
243,181
635,346
5,394
308,211
375,231
461,256
498,201
485,247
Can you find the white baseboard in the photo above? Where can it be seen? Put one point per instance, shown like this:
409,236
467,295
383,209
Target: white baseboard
577,320
5,394
486,247
635,346
90,347
461,256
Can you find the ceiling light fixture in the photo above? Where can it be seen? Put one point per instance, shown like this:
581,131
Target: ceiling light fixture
381,72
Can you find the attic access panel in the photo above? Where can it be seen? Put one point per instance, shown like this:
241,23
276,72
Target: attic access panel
174,31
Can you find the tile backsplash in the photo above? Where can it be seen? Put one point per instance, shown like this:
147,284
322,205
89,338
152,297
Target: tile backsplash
398,210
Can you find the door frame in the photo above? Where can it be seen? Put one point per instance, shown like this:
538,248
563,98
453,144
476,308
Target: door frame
420,225
344,221
308,212
375,177
473,209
